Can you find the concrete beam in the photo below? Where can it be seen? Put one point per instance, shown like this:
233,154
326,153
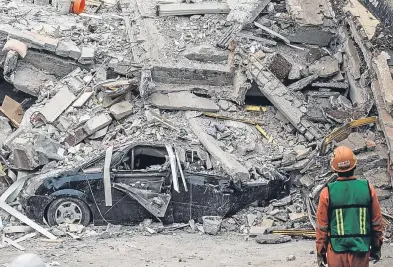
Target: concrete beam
195,73
182,101
237,171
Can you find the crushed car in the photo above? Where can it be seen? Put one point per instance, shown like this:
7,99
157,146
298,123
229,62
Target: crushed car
142,187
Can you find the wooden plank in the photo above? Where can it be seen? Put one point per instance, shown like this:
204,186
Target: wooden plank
7,208
82,99
181,171
250,36
57,104
107,177
172,160
17,229
13,191
25,237
192,9
13,243
12,110
266,29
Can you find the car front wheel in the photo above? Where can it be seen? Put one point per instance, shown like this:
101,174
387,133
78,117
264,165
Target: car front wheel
69,211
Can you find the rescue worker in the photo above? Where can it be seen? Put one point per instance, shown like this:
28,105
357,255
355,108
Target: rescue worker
349,219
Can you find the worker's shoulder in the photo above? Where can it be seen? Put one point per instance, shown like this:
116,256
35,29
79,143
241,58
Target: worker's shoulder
325,192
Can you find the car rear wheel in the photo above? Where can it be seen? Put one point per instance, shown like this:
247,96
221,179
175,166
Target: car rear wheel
68,210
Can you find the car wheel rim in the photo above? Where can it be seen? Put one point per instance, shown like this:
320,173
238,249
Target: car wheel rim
68,212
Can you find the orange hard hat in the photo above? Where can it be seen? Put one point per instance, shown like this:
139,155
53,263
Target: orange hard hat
343,159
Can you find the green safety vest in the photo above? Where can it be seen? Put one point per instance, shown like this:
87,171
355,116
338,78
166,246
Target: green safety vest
349,215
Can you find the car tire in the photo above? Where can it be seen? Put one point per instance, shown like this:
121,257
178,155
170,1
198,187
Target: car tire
75,206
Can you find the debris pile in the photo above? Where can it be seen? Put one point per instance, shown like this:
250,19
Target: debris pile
226,97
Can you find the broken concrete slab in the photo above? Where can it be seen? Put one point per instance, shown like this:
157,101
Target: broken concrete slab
75,136
302,153
309,35
87,55
272,239
82,99
46,149
146,84
22,155
384,80
298,217
33,40
184,9
182,101
229,163
50,63
309,12
99,133
29,79
333,85
121,110
96,123
307,181
295,73
68,49
325,67
359,94
206,53
5,129
379,177
301,84
193,73
240,86
211,224
57,105
353,61
355,141
10,62
284,100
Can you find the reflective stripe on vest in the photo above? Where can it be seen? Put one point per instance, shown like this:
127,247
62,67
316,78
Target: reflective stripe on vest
349,215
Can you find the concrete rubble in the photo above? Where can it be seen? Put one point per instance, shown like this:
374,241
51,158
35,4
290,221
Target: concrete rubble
258,106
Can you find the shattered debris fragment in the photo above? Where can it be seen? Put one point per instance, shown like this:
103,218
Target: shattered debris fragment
215,121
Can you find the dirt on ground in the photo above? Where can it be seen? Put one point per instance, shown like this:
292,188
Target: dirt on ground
175,250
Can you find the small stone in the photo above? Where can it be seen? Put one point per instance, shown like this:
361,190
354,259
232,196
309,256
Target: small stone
325,67
302,154
272,239
295,73
251,218
212,131
211,224
291,258
259,54
289,158
225,105
121,110
195,17
298,217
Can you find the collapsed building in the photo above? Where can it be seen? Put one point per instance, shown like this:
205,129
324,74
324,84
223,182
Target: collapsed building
242,92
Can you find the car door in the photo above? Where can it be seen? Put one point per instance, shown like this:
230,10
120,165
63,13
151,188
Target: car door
142,168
